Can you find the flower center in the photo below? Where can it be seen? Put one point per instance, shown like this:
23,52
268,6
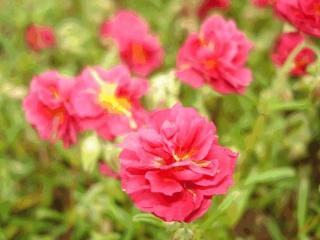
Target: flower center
59,114
54,92
179,156
112,103
138,54
301,63
210,64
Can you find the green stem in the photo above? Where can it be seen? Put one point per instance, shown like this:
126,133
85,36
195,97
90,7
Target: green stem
183,232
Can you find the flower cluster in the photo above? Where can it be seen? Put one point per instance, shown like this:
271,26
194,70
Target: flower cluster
217,56
171,161
303,14
171,165
139,49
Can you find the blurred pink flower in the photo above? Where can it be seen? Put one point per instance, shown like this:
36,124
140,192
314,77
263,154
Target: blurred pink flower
217,56
207,5
303,14
286,43
174,166
48,109
108,100
139,49
40,37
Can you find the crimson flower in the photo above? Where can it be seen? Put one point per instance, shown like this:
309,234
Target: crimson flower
139,49
217,55
175,165
303,14
40,37
48,109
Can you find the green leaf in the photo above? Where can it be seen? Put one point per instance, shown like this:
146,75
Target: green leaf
270,176
274,230
302,203
228,201
291,106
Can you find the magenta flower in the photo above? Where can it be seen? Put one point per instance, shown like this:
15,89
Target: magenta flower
40,37
174,166
108,101
207,5
303,14
139,49
286,43
47,108
217,56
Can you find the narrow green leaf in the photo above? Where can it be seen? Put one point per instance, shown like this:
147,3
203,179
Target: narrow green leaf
291,106
274,230
270,176
148,218
302,203
2,236
228,201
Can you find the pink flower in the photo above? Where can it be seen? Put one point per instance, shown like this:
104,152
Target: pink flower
139,49
48,109
286,43
207,5
40,37
174,166
108,101
264,3
303,14
217,55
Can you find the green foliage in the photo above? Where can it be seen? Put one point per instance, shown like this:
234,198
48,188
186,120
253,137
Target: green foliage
45,190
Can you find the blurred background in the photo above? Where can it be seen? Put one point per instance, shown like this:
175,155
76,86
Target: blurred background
48,192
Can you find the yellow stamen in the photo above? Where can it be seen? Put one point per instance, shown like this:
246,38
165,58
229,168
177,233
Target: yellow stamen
109,101
54,92
202,163
183,156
